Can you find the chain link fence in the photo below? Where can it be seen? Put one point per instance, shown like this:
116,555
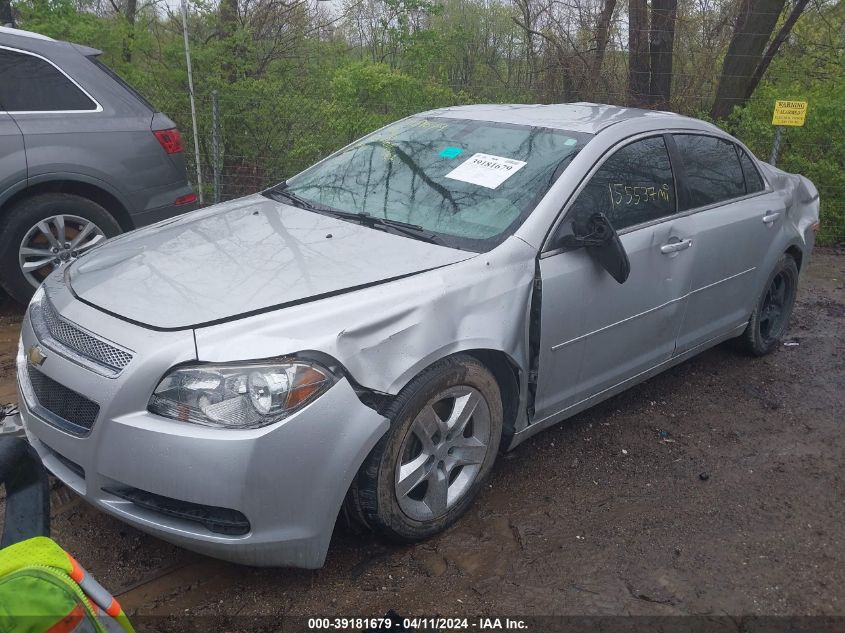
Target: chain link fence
251,139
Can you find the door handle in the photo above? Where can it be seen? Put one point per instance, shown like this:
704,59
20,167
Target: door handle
770,217
674,247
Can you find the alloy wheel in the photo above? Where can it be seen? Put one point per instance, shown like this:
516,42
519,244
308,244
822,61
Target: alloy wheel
442,454
54,242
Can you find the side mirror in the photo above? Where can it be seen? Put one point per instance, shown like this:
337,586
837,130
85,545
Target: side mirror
599,237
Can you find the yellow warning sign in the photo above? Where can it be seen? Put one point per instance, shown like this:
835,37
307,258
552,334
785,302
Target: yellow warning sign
789,113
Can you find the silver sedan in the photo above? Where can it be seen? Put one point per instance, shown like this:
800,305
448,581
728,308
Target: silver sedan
372,332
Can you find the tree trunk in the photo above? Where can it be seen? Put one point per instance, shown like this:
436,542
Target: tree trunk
780,38
228,12
661,43
228,17
602,35
753,28
129,42
6,16
638,63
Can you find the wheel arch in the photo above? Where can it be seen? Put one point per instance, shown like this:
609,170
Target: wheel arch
507,375
84,189
797,254
507,372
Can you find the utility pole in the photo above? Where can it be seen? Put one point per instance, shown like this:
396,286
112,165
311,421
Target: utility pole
191,95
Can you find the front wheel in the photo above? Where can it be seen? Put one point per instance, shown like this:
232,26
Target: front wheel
446,426
771,315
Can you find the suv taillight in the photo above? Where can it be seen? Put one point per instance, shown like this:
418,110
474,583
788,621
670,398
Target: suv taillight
170,140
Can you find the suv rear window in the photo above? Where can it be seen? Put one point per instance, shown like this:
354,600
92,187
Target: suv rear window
32,84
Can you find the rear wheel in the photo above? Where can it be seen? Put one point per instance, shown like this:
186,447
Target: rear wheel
45,232
440,449
771,315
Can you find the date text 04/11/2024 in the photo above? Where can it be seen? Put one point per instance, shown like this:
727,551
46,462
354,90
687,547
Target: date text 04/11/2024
417,623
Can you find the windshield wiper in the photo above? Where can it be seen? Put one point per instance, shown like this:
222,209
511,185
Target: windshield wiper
405,228
282,191
374,222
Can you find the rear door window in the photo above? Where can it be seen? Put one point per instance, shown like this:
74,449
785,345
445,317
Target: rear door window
32,84
633,186
713,172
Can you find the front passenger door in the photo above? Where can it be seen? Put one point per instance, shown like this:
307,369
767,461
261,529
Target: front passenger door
596,333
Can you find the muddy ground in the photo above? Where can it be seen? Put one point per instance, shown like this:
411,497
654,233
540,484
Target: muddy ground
714,488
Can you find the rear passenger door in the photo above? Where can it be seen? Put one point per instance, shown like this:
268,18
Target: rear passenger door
46,105
12,155
12,150
736,220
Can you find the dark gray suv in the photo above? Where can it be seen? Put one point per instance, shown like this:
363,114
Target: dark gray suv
83,157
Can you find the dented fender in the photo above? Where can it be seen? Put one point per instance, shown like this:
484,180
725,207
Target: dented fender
386,334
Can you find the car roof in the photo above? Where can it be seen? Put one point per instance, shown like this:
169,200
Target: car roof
21,33
37,43
590,118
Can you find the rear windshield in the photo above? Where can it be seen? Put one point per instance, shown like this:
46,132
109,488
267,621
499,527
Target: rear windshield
471,183
96,61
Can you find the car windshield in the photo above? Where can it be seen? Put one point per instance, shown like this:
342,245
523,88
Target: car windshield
466,183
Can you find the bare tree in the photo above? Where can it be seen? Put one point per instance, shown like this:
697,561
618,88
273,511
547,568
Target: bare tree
602,36
780,38
661,44
638,54
753,28
129,42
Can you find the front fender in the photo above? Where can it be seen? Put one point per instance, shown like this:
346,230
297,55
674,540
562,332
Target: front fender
386,334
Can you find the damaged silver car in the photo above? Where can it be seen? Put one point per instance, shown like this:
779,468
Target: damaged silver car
371,333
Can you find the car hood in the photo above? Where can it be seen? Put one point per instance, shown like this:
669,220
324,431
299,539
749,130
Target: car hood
240,258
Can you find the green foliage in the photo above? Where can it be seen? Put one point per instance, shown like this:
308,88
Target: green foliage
815,150
289,94
366,96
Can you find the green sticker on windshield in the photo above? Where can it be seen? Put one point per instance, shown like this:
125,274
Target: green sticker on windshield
570,141
451,152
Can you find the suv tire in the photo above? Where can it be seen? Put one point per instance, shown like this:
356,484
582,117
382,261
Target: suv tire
21,221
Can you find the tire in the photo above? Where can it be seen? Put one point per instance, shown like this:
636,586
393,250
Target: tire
20,223
771,314
445,389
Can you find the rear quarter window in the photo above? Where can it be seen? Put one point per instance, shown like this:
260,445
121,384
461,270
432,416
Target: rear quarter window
113,75
32,84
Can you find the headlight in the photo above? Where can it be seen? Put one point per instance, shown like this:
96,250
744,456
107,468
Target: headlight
242,396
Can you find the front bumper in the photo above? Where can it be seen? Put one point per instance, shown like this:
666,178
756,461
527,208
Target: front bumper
288,479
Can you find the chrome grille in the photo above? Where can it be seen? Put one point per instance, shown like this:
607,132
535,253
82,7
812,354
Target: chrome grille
71,411
81,342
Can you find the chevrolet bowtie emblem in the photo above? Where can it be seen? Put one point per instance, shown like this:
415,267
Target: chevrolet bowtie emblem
36,355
